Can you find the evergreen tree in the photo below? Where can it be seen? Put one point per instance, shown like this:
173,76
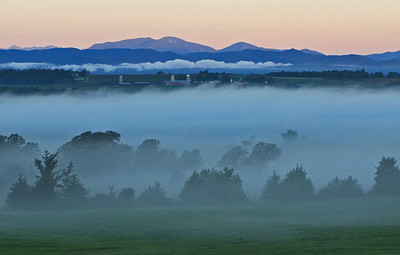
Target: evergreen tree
296,185
272,190
20,195
387,177
72,190
47,182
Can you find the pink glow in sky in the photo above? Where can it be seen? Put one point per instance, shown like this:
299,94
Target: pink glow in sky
330,26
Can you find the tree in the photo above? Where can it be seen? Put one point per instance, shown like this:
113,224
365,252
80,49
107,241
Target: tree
262,153
72,190
148,148
341,188
272,190
20,194
126,196
233,157
45,189
149,156
387,177
96,151
296,185
213,187
153,195
15,158
190,159
16,140
289,136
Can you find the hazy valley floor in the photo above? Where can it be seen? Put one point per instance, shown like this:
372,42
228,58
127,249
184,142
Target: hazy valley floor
360,226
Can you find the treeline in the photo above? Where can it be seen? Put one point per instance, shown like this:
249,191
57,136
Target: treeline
62,189
96,154
102,152
336,74
39,76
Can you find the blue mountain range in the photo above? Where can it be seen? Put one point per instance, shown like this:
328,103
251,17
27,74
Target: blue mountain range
142,50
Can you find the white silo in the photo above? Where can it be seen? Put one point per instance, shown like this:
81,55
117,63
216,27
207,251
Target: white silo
188,79
172,77
121,79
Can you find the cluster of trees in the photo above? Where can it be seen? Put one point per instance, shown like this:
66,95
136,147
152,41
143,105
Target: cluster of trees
204,76
17,144
224,78
108,152
15,157
102,152
62,188
297,186
335,74
209,187
52,186
260,155
153,195
39,76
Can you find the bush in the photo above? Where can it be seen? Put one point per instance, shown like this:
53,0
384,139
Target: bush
153,195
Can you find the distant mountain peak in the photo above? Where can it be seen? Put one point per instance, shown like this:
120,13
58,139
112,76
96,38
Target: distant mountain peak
239,46
312,52
168,43
16,47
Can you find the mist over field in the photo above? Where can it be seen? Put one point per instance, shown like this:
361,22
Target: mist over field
341,131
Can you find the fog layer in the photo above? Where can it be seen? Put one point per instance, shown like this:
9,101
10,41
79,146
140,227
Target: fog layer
341,132
168,65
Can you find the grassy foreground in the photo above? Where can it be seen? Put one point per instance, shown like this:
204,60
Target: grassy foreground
363,226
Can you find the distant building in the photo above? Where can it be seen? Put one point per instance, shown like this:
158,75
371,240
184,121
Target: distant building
121,81
174,82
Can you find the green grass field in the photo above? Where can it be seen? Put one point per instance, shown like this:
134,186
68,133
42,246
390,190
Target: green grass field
363,226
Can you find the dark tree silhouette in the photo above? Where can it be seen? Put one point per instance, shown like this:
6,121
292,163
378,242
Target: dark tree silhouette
16,140
47,182
96,152
234,157
20,195
153,195
149,156
212,187
341,188
190,159
387,177
72,190
262,153
272,190
39,76
296,185
289,135
126,197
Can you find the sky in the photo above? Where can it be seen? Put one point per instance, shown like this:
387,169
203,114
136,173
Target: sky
329,26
